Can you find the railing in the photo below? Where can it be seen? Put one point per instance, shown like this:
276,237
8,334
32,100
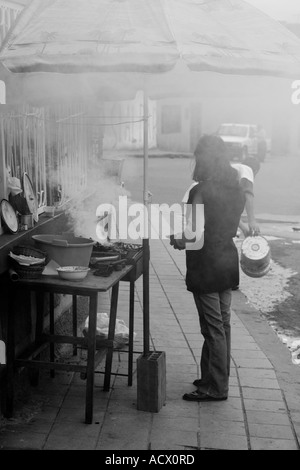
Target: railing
24,147
55,146
72,146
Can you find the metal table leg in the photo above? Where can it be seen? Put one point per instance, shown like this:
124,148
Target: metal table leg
74,311
131,333
52,346
39,307
111,334
91,347
8,398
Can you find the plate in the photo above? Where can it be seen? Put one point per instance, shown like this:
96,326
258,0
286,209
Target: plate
9,216
30,197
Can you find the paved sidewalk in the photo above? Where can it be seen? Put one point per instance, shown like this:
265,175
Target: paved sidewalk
262,412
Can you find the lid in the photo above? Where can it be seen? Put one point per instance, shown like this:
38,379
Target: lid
9,216
30,197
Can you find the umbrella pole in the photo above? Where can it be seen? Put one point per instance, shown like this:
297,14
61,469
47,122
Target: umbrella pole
151,368
146,247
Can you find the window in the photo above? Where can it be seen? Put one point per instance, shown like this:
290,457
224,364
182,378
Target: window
171,119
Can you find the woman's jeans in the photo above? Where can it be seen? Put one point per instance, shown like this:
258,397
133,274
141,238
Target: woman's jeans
214,313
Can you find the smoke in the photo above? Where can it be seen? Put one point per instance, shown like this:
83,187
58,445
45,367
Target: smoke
82,210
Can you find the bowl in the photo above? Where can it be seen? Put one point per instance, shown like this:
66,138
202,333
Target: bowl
72,273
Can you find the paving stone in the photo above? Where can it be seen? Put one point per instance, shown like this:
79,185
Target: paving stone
262,394
77,416
22,440
273,431
125,431
123,403
249,346
180,360
262,373
47,413
181,377
195,342
174,351
233,381
267,417
189,368
66,428
249,354
234,391
176,408
241,338
259,382
264,405
190,423
230,404
222,414
272,444
251,363
55,442
219,441
163,343
215,424
173,439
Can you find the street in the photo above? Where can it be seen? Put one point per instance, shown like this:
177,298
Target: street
276,184
277,207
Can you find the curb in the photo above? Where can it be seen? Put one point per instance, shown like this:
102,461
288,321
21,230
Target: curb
287,373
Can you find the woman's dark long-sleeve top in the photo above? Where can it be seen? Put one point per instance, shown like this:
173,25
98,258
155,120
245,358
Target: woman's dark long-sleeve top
215,267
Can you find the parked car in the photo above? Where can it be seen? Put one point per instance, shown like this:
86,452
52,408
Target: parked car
241,141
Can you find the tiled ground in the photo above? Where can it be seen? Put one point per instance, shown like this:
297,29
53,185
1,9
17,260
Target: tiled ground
254,417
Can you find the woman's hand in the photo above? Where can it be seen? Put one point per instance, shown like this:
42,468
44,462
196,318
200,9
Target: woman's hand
177,242
249,230
254,230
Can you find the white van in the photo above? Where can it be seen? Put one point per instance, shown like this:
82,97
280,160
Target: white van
240,139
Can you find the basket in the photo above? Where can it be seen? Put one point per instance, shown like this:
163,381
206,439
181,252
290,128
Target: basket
28,272
28,250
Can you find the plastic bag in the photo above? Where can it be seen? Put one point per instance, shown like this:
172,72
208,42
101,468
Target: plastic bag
121,330
14,185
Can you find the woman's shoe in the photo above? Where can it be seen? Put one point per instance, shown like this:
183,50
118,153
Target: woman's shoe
198,396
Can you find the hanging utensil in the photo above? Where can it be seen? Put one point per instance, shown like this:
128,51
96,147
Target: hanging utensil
30,197
9,216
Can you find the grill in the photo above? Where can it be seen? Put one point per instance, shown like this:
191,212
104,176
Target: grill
107,258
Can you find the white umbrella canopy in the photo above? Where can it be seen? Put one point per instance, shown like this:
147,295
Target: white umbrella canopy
109,49
69,36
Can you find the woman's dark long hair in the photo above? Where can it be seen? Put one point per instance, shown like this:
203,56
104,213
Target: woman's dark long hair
212,162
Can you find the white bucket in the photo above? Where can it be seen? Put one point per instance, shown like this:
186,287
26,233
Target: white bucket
255,258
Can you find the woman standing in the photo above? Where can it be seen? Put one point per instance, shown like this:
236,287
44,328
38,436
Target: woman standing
212,261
